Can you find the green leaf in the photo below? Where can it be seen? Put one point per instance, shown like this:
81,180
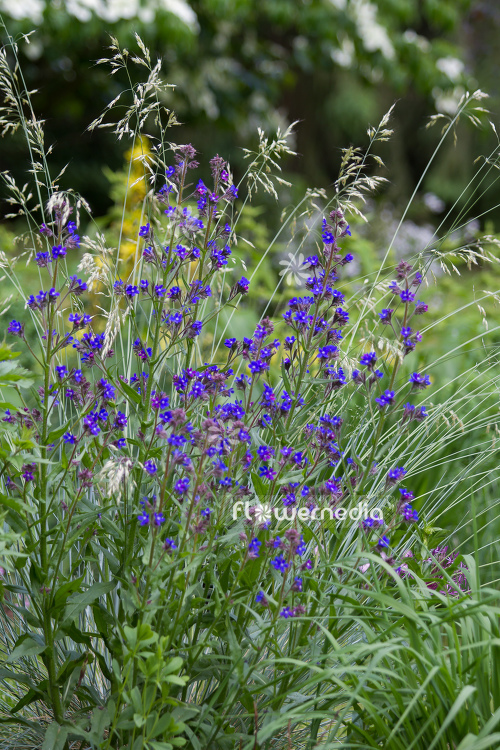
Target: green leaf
78,602
33,694
260,488
100,720
130,392
12,374
64,591
26,646
56,434
18,505
55,737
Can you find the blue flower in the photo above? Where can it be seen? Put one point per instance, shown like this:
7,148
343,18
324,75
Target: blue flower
253,548
77,286
383,542
159,518
410,515
151,467
419,382
265,452
368,360
267,473
396,475
16,328
58,252
279,563
43,259
194,329
386,399
243,285
407,296
181,487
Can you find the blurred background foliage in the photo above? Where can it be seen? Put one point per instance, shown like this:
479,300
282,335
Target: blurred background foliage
334,66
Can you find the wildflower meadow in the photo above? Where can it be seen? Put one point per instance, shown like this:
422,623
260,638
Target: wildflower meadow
218,536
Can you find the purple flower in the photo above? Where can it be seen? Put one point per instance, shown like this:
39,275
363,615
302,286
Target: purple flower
107,390
407,296
43,259
194,329
79,321
386,399
386,315
267,473
265,452
383,542
396,475
258,366
328,352
16,328
279,563
261,599
174,293
131,291
182,486
253,548
419,382
76,286
90,425
410,515
143,518
368,360
69,438
58,252
29,472
242,285
406,494
151,467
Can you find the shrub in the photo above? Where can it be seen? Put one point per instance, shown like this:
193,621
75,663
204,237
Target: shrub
207,552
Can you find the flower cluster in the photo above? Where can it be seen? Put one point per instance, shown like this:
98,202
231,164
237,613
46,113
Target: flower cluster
196,435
